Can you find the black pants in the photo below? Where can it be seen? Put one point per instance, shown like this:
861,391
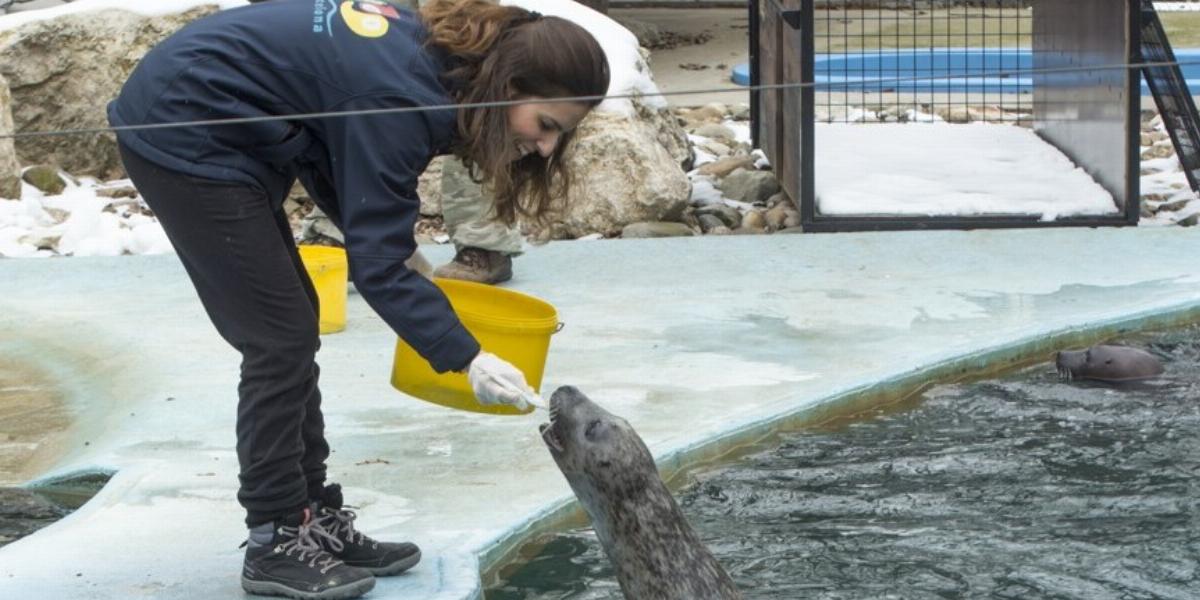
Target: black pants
237,247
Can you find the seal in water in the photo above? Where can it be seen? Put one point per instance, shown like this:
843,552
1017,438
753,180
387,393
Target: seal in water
1108,363
656,553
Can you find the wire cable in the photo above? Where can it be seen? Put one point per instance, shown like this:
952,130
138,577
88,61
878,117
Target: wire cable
586,99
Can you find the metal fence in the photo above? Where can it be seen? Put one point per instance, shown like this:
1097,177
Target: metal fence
884,60
1043,64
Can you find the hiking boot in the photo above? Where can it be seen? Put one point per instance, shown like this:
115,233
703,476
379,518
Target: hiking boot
288,558
355,548
478,265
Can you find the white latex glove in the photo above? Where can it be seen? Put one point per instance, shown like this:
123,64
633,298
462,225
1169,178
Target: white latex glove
495,381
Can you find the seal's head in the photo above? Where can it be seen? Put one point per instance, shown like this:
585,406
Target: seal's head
1108,363
655,553
597,451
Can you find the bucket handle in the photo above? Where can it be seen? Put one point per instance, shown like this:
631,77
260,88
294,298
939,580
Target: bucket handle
559,327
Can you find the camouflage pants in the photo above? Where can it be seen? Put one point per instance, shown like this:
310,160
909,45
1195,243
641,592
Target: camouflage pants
468,214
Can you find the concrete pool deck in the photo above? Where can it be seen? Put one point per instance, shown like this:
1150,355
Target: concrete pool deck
702,344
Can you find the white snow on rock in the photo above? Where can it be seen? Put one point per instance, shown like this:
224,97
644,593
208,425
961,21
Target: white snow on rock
630,73
78,222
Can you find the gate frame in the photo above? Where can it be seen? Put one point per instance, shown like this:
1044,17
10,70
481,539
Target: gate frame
784,29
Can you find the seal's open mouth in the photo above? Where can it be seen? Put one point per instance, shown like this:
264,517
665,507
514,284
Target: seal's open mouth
549,431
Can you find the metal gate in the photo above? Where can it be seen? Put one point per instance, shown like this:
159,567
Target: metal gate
1025,62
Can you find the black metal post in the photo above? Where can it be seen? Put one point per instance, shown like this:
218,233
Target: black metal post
753,5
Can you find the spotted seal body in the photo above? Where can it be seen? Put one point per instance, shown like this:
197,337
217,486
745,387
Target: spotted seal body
656,554
1109,363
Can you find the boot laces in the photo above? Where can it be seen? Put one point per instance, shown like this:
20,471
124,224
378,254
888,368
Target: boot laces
308,547
342,526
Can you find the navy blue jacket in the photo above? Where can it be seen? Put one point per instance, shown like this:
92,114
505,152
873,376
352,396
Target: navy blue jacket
295,57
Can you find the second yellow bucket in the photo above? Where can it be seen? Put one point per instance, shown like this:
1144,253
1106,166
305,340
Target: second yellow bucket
511,325
327,269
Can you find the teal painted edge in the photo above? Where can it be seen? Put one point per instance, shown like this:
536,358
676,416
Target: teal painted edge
501,550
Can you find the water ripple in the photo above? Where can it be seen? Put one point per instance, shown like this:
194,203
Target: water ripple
1022,487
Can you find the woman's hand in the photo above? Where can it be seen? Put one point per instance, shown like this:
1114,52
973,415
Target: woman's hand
495,381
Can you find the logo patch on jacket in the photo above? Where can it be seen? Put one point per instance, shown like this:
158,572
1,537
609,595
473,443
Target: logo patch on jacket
369,18
366,18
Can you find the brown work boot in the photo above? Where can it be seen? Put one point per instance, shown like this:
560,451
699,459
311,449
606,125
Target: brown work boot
478,265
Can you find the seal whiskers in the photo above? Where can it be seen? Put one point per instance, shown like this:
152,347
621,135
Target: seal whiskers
655,552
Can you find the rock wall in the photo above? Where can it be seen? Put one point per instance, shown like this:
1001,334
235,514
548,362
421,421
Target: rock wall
10,168
62,73
622,175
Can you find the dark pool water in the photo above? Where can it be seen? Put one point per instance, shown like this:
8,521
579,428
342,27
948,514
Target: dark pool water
1019,487
24,511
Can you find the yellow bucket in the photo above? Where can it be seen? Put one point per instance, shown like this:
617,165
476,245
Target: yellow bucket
511,325
327,269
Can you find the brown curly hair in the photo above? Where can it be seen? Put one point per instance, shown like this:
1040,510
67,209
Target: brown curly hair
502,53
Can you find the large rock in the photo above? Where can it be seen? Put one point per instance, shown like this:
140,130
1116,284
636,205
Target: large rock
750,186
723,167
626,168
62,73
622,175
10,169
629,155
45,178
659,117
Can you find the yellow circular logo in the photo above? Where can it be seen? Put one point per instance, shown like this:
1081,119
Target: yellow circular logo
363,23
